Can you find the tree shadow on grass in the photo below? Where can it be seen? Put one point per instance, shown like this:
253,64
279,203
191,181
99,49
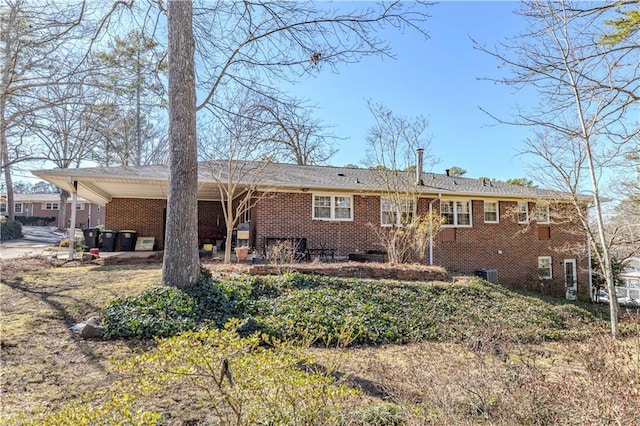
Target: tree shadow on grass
61,312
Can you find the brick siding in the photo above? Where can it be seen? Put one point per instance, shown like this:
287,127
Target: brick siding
508,247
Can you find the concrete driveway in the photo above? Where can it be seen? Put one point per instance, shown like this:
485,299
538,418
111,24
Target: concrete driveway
35,242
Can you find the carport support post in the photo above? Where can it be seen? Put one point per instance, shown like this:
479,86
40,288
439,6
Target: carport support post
72,232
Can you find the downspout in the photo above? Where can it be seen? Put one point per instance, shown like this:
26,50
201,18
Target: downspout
72,231
431,228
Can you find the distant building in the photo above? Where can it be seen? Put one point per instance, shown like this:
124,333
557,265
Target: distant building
29,207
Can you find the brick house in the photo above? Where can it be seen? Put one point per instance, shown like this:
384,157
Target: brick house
515,234
88,214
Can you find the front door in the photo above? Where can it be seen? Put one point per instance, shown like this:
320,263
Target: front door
570,279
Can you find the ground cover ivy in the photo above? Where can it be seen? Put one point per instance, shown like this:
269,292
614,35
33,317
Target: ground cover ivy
340,311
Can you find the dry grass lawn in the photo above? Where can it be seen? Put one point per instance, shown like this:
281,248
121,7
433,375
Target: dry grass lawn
44,363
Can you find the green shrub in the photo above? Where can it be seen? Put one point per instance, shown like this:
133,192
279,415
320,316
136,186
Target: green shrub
9,229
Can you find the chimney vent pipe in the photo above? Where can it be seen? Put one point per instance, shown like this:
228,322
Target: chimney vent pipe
447,171
419,165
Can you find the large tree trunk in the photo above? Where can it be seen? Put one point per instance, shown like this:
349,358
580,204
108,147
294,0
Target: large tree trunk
181,266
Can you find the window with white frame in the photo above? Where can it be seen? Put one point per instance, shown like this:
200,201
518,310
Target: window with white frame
544,268
523,212
456,213
50,206
542,213
491,210
3,207
396,212
17,208
79,206
332,207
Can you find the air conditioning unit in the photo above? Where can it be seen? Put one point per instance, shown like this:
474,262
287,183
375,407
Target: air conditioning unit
488,274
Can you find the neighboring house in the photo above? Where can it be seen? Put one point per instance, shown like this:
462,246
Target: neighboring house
512,230
629,291
88,214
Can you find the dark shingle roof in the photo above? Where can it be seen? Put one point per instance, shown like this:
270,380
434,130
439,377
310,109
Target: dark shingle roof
365,179
329,178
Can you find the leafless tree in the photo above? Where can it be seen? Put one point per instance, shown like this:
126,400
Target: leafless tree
298,137
397,148
67,131
34,54
584,121
237,144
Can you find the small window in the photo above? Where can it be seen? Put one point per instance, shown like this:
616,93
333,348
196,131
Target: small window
79,206
446,211
523,212
491,211
396,212
3,208
463,213
50,206
321,207
544,268
342,208
17,207
456,213
332,207
542,213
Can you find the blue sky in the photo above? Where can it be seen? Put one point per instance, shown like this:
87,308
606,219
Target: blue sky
437,78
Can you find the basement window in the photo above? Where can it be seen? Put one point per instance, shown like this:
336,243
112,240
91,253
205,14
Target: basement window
544,268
